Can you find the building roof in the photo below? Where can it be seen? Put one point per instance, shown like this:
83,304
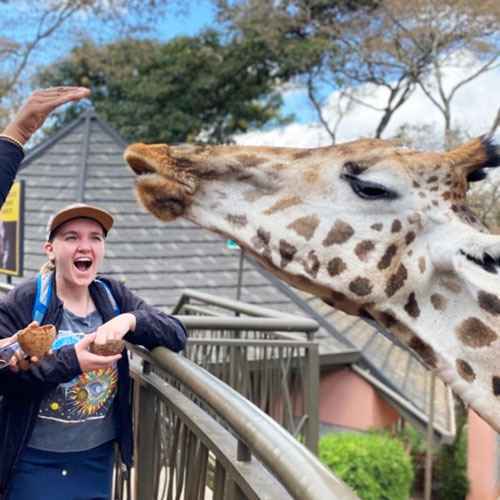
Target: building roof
83,162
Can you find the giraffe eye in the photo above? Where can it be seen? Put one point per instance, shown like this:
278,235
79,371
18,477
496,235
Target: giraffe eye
369,190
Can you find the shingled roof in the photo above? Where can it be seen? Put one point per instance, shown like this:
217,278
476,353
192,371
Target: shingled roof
83,162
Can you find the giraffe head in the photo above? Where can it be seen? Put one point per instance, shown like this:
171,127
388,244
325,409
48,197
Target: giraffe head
370,228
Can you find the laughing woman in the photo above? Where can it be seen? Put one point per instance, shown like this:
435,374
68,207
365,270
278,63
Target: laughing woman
59,420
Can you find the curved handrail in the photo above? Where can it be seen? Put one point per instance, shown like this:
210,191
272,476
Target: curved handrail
299,470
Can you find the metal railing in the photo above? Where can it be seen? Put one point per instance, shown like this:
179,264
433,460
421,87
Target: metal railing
197,438
268,359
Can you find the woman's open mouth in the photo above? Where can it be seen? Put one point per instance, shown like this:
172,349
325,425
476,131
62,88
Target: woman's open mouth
83,263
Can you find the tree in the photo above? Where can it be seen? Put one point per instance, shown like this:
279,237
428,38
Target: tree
191,88
361,48
34,29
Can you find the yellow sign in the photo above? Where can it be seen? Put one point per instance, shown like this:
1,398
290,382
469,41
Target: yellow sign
10,209
11,231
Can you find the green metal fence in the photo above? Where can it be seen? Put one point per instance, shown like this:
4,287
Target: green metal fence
197,438
262,353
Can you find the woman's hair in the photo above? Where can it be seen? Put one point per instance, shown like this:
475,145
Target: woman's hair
48,267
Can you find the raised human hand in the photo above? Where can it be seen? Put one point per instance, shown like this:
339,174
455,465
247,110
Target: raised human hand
89,361
39,105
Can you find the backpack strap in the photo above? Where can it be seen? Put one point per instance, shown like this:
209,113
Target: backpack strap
42,299
114,304
44,292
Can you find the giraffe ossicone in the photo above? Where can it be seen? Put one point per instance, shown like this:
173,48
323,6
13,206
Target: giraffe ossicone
370,228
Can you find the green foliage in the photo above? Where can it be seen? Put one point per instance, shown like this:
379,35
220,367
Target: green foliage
375,466
451,467
191,88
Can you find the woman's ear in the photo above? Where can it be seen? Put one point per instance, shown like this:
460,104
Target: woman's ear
49,250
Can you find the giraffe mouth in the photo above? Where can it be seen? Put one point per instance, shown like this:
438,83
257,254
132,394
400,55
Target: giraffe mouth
488,262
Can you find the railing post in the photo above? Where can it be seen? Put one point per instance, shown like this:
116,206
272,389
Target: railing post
310,395
145,441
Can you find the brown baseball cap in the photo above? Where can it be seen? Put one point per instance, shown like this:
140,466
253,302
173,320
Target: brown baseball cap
77,211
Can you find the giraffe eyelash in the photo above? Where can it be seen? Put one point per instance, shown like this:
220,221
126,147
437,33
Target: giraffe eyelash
369,190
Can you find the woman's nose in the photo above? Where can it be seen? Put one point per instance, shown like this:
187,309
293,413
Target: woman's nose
84,244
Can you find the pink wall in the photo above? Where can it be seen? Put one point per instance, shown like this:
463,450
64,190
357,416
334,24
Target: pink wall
481,459
349,401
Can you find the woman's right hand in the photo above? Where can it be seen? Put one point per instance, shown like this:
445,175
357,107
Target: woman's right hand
90,361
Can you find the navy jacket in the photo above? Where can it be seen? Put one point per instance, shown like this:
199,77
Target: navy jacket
22,391
10,159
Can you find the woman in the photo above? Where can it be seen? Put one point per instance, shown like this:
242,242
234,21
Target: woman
25,123
63,416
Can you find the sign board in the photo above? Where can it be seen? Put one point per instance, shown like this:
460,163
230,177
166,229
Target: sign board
232,244
12,231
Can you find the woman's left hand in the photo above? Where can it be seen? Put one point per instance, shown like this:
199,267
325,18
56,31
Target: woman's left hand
115,328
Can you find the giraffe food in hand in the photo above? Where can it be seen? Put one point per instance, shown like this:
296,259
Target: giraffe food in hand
36,341
110,348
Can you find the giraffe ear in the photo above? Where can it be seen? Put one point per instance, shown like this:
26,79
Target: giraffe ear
475,156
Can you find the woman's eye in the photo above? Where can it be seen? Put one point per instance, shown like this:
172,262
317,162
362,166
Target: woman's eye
369,190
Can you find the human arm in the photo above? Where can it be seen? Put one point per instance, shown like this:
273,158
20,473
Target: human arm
152,327
27,120
35,110
62,366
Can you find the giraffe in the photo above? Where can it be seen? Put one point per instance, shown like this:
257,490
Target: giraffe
370,228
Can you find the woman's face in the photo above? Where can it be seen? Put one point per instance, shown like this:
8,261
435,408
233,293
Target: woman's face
78,251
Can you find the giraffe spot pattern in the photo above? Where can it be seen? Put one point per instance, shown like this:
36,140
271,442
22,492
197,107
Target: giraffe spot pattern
396,281
489,302
439,302
283,205
465,370
336,266
250,160
495,385
305,226
363,248
421,264
261,242
361,286
474,333
424,350
311,175
338,234
311,266
396,226
386,259
287,253
237,220
411,306
410,236
302,154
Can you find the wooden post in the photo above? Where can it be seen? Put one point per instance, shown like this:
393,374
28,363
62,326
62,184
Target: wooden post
430,441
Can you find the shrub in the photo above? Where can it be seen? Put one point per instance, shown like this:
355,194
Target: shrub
375,466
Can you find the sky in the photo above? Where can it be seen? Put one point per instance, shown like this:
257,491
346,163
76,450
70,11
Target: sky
474,108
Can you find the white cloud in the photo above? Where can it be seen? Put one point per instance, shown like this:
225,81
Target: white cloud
474,108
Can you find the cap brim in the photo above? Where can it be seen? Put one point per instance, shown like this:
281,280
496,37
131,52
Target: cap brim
89,212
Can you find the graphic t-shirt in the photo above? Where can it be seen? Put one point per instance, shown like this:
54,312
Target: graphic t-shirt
78,415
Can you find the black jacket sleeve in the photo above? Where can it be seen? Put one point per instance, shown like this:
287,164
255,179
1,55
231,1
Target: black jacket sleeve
62,366
153,327
10,159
